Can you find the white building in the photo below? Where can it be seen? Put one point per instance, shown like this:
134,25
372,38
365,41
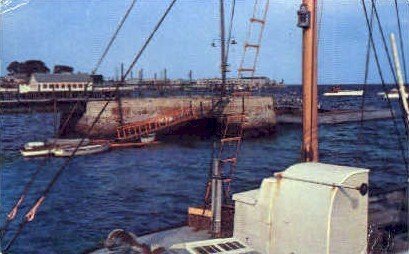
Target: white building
64,82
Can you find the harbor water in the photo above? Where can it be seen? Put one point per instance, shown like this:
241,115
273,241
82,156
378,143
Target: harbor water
145,189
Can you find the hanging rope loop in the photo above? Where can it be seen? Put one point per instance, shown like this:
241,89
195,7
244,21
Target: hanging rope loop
13,212
32,213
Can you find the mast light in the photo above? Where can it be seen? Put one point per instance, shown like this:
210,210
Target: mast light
304,17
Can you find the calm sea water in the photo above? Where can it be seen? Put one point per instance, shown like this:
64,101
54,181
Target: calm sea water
145,189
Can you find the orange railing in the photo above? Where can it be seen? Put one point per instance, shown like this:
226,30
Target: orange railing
165,120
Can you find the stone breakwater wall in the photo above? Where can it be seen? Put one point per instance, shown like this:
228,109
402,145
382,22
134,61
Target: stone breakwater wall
259,111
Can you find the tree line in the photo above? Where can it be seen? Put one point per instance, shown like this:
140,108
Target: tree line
35,66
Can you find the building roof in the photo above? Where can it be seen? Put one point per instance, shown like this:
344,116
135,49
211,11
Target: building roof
61,77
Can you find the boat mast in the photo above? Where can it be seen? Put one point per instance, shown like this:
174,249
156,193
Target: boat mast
308,22
223,48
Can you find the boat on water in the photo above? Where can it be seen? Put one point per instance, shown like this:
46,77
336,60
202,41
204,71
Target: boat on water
66,151
392,94
310,207
67,142
46,148
35,149
337,91
148,138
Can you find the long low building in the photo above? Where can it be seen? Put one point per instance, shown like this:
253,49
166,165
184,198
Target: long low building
64,82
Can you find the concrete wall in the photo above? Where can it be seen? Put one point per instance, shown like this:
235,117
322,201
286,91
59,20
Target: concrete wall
259,110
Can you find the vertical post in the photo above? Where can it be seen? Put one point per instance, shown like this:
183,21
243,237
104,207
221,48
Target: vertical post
402,91
404,100
190,77
308,21
216,199
55,118
165,76
122,71
223,47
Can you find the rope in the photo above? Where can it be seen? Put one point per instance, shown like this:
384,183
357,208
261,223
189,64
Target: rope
111,41
31,214
384,41
5,226
148,40
383,82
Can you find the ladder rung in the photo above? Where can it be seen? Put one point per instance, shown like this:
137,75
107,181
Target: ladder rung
234,139
229,160
248,45
261,21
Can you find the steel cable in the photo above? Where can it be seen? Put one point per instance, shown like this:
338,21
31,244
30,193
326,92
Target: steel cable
5,226
364,86
31,214
397,133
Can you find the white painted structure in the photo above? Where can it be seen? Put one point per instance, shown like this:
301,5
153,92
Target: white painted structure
300,211
345,93
308,208
64,82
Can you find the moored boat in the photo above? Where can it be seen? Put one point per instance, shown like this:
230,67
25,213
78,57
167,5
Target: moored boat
148,138
82,150
34,149
66,142
392,94
337,91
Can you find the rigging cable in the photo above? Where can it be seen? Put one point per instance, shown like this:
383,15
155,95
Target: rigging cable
121,23
149,39
389,61
233,7
364,86
15,208
383,84
34,208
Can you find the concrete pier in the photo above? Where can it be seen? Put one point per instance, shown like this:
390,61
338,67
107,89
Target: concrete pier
259,111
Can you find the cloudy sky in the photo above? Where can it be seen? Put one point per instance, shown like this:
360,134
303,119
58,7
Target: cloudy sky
74,32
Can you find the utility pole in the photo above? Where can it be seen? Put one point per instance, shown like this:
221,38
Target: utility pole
308,22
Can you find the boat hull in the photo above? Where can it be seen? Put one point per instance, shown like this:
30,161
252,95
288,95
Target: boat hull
345,93
36,153
83,150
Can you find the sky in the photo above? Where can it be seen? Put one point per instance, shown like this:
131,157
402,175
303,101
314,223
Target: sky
75,32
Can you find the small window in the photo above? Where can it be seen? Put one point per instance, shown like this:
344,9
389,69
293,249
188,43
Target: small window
75,86
44,86
80,86
57,86
63,86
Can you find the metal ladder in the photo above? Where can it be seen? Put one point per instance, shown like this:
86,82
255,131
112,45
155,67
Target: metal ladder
226,151
253,39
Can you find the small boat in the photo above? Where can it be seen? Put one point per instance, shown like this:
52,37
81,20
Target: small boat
82,150
148,138
34,149
392,94
67,142
337,91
